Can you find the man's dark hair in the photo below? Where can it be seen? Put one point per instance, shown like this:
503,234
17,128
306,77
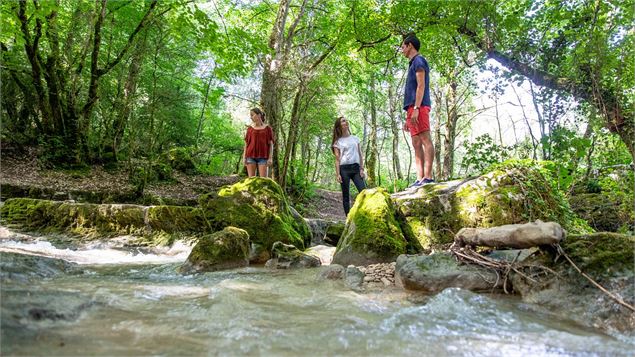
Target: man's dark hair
411,38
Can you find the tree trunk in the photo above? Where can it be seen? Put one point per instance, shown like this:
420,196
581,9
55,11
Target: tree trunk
395,128
450,130
371,163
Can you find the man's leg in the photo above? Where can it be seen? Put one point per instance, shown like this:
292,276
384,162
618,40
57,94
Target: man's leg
417,144
428,150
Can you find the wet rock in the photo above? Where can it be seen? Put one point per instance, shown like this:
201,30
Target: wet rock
286,256
605,257
438,271
372,233
332,272
354,278
517,236
23,267
258,254
226,249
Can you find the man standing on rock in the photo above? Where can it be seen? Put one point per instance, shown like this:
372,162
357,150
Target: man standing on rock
417,105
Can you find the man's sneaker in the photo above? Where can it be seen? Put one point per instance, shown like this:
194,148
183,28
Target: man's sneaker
426,181
417,183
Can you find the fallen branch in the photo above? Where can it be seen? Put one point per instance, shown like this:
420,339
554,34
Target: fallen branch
610,294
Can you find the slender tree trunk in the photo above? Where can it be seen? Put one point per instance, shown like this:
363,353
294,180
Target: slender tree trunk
531,133
395,128
450,128
371,163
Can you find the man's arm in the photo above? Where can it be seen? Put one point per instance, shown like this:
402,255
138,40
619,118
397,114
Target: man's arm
421,83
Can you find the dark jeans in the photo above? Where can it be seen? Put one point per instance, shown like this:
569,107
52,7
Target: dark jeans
349,172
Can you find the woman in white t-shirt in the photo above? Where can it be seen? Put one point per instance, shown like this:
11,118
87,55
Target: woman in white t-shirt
349,162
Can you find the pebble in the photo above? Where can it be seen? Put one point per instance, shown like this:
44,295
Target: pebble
383,273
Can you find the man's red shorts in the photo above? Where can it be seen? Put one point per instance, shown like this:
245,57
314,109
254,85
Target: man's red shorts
423,122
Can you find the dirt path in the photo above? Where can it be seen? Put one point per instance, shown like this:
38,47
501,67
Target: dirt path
328,205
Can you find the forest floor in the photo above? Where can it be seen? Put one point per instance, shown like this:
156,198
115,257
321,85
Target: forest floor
22,168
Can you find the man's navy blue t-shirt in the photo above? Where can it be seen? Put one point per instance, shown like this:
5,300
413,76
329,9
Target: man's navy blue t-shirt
417,63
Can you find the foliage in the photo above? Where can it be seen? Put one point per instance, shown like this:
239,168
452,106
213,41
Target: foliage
482,153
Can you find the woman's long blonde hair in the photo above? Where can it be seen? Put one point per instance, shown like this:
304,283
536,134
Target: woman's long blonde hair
337,132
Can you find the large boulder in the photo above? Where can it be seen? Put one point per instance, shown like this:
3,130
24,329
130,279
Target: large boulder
152,225
258,206
225,249
607,258
372,233
513,192
436,272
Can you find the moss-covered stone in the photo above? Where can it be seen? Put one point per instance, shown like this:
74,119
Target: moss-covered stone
181,159
258,206
225,249
372,233
285,256
601,253
513,192
154,225
605,212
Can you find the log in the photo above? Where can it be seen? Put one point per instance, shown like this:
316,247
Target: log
516,236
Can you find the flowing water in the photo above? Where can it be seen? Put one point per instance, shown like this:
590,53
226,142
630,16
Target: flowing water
109,304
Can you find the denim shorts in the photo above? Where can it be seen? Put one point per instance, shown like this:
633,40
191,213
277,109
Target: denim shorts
257,160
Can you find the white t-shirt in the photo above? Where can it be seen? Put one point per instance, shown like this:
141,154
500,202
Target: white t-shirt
348,146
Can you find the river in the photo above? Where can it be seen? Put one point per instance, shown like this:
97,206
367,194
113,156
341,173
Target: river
100,300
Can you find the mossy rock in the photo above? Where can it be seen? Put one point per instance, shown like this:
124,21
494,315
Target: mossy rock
181,159
258,206
27,212
601,253
512,192
155,225
605,212
372,233
177,219
286,256
224,249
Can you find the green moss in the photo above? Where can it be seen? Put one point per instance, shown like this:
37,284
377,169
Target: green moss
224,249
372,229
258,206
30,213
601,252
177,219
161,225
605,212
513,192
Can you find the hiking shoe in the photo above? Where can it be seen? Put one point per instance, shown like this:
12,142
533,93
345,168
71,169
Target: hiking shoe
426,181
417,183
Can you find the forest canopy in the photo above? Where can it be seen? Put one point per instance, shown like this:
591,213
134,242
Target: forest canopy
127,82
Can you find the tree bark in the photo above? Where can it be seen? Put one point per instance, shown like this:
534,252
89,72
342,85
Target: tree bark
371,163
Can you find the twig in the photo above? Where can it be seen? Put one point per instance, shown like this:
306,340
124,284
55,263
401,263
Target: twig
613,296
